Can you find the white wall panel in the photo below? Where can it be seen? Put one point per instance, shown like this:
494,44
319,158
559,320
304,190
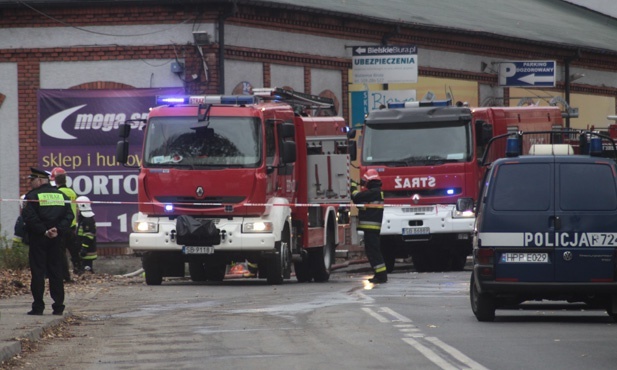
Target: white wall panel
9,142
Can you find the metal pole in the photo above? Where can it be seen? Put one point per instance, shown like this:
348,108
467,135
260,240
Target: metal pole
567,89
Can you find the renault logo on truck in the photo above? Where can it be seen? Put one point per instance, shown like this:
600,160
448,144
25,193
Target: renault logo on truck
199,191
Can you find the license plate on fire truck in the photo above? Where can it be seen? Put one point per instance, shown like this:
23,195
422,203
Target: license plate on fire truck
416,230
197,250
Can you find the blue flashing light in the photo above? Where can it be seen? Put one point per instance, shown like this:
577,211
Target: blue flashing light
205,99
512,147
595,147
396,105
172,99
169,207
450,191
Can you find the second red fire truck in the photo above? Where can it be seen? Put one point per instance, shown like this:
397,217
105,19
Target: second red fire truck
427,156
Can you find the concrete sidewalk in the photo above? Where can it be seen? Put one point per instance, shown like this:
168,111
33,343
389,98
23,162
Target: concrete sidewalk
16,325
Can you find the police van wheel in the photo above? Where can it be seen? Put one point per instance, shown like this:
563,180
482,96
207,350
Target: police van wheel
482,305
611,307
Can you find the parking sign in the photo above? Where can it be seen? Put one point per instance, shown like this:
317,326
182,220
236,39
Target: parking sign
532,73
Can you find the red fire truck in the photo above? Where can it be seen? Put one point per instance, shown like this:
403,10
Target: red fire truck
427,155
255,178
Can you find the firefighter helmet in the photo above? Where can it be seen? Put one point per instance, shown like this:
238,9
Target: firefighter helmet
85,206
371,175
57,171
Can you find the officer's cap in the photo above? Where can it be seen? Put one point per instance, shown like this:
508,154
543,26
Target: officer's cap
35,173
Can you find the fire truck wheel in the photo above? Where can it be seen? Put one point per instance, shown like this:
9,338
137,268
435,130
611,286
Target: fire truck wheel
433,260
303,273
279,264
215,271
197,271
152,269
421,261
320,260
458,261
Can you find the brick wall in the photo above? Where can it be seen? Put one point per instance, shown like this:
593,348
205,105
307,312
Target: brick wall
28,60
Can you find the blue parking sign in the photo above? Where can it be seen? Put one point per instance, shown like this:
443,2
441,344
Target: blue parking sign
532,73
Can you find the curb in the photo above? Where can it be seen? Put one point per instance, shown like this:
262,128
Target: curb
8,350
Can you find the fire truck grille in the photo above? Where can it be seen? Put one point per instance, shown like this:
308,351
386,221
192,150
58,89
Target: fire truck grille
425,209
207,202
424,193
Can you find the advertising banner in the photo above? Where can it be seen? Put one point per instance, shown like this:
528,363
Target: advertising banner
78,131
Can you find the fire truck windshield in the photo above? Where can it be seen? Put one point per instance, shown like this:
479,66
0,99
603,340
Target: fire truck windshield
417,144
185,142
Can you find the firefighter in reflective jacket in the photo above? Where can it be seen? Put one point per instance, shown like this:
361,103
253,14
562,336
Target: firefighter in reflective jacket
86,233
370,215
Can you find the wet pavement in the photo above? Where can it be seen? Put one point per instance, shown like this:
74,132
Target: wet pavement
16,326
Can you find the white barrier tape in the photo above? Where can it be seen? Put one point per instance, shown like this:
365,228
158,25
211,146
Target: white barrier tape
341,205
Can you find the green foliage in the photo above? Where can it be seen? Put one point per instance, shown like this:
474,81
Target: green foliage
13,254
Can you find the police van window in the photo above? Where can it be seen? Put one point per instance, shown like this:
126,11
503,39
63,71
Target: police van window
594,181
514,189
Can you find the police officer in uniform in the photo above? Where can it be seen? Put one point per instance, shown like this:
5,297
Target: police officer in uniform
47,216
370,216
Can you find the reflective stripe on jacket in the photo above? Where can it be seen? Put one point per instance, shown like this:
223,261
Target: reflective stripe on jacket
86,237
72,196
371,214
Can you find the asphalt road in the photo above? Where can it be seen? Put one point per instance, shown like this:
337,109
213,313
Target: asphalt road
415,321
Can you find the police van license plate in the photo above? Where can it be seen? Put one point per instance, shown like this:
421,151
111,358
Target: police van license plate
416,230
524,257
197,250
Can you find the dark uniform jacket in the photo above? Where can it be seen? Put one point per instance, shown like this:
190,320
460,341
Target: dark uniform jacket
86,236
47,208
369,217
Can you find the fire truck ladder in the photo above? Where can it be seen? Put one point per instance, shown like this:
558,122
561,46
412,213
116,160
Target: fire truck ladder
299,101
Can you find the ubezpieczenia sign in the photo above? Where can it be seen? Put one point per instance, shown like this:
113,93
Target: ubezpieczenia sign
385,64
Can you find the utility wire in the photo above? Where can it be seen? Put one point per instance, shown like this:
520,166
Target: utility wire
96,32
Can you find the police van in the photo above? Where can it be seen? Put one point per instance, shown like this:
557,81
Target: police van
546,225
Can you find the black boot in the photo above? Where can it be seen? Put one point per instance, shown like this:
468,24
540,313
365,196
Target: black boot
379,278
